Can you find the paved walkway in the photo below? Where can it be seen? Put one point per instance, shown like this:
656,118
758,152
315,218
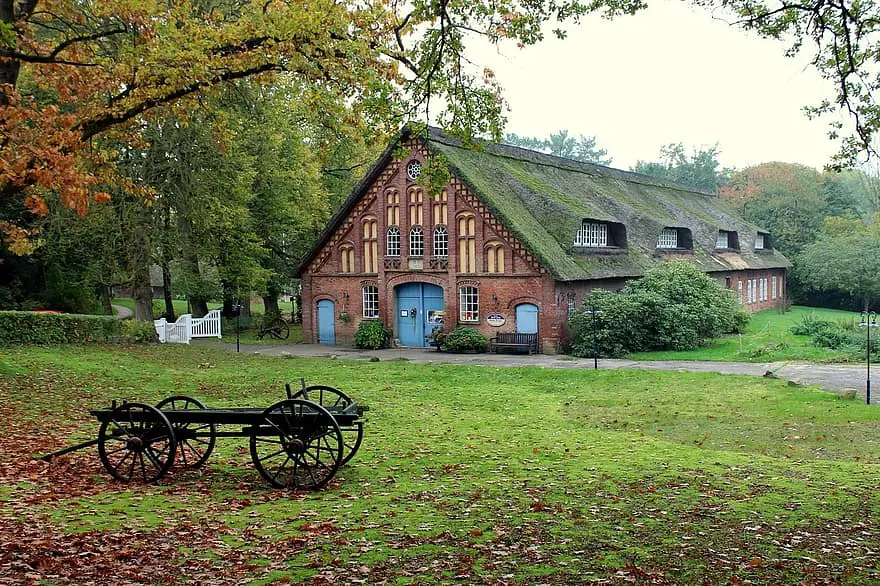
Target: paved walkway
832,377
122,312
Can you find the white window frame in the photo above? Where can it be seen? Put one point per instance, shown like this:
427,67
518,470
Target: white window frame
739,292
468,304
668,238
759,241
592,235
370,300
570,308
723,239
392,241
441,241
773,287
417,241
413,169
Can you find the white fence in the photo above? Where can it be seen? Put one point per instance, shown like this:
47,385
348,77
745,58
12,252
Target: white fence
188,327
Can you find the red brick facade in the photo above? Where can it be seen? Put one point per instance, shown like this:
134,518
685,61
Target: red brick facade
480,253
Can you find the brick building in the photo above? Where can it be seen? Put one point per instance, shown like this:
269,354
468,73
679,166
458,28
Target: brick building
514,242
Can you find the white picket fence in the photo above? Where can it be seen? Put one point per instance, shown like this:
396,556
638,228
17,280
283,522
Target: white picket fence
188,327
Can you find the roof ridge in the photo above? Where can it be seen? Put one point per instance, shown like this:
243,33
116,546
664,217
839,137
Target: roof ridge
557,162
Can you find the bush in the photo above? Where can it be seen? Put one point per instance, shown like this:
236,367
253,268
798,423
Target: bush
810,326
372,335
675,306
465,340
22,327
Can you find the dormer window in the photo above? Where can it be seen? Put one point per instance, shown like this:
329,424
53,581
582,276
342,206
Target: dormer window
592,235
600,235
763,241
674,238
727,239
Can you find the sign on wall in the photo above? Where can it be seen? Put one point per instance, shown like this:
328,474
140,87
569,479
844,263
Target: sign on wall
496,320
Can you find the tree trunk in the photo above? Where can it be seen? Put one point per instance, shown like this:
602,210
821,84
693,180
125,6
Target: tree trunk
198,306
139,257
104,297
166,286
270,303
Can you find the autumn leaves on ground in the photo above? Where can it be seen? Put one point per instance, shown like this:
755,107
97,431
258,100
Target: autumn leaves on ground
467,475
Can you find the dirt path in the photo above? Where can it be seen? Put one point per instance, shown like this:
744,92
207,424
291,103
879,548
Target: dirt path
832,377
121,312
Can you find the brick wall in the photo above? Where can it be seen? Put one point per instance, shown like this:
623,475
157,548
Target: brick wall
771,298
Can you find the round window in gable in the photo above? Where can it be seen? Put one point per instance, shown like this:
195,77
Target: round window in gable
413,169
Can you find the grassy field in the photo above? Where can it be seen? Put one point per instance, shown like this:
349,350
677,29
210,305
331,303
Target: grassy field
767,338
467,475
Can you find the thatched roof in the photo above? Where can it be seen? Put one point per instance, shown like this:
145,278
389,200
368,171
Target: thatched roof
544,199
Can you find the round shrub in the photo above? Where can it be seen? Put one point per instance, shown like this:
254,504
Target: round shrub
465,340
372,335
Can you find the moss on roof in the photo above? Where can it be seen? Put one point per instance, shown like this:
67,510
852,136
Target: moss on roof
543,200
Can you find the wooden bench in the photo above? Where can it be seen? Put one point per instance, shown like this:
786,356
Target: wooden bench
515,341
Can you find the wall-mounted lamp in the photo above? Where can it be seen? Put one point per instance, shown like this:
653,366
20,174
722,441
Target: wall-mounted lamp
345,297
494,298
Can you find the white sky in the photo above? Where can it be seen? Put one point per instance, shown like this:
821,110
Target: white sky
668,74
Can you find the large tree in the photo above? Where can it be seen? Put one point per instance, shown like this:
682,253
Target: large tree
106,65
561,144
700,169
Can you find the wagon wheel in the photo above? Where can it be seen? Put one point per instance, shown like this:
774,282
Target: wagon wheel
297,445
136,442
333,399
275,327
195,442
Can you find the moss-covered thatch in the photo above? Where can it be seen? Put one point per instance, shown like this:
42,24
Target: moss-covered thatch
543,200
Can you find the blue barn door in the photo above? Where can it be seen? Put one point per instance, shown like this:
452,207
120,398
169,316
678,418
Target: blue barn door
526,319
326,322
419,310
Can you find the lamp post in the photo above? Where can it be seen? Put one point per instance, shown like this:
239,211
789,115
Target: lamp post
595,313
868,321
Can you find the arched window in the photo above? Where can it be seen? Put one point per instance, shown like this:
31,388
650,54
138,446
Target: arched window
416,203
416,241
371,245
346,254
494,257
439,209
392,208
441,242
467,247
392,242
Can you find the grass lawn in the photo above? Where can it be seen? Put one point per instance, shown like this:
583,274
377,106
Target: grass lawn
767,338
467,475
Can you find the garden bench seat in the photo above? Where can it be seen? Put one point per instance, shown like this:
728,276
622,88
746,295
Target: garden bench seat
514,341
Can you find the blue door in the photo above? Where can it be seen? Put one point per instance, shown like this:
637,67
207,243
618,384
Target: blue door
419,311
326,322
526,319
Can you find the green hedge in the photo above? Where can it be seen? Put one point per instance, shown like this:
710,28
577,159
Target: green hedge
24,327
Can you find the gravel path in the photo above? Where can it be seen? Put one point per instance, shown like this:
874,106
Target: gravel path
832,377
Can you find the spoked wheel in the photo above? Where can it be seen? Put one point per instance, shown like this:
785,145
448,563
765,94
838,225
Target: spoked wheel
195,441
297,445
136,443
277,328
334,400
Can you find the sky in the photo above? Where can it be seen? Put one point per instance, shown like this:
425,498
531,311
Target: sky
669,74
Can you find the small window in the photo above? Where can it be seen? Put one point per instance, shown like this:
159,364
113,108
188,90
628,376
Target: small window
570,308
759,241
592,235
668,238
773,286
347,257
441,242
739,292
392,242
371,301
723,239
413,169
416,241
469,304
